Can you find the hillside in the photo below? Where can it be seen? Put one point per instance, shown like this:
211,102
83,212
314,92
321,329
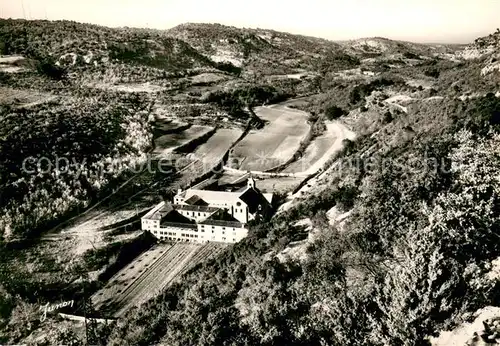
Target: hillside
260,51
412,257
392,243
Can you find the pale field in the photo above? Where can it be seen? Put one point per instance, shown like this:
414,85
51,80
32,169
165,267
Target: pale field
10,59
208,78
231,178
88,235
132,87
321,149
169,142
276,143
278,184
314,152
217,145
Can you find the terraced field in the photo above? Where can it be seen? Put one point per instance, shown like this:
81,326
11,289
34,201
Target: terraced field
149,274
279,184
276,143
212,152
315,152
170,126
169,142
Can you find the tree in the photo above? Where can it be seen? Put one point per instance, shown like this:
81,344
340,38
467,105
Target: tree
334,112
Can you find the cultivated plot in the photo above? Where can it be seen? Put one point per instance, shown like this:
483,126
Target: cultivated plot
168,143
278,184
212,152
169,126
276,143
149,274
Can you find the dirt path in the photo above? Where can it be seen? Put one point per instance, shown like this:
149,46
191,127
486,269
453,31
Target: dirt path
341,133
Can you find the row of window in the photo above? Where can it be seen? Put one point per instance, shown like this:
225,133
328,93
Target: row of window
188,240
167,233
189,236
213,227
194,213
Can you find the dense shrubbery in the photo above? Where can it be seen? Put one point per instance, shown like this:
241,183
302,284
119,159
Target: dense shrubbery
92,140
237,100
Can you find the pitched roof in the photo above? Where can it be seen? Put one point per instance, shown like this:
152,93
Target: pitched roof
195,200
222,218
195,208
159,211
253,199
212,196
173,216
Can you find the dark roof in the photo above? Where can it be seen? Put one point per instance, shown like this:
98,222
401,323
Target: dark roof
195,208
253,199
222,218
164,210
234,224
195,200
175,217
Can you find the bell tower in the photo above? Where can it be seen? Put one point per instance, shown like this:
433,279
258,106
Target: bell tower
251,183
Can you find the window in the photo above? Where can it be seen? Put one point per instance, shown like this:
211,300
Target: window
199,214
223,227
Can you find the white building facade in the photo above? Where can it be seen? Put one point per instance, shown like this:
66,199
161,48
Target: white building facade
203,216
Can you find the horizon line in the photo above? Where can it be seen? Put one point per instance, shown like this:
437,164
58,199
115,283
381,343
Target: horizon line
250,28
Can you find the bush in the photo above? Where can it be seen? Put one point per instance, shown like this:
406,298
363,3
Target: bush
47,67
334,112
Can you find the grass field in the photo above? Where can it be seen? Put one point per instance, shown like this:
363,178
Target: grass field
276,143
167,143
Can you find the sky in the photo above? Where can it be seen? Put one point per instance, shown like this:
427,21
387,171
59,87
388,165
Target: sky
448,21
